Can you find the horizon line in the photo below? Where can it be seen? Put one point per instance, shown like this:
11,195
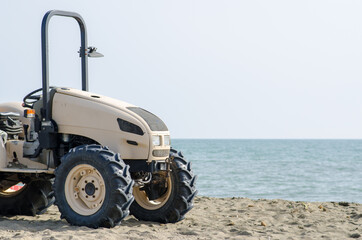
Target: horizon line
267,138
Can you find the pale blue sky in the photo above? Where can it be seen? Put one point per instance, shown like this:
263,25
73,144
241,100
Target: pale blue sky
209,69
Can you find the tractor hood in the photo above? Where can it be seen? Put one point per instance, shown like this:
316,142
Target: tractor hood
93,97
124,127
151,121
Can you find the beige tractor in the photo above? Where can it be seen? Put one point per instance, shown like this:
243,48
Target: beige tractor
97,158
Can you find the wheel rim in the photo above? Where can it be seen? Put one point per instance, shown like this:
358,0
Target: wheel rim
142,199
84,189
13,190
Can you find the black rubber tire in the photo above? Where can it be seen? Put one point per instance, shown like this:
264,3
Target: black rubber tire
34,198
117,180
182,194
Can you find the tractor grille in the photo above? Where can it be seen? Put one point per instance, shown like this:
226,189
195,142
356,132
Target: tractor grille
161,153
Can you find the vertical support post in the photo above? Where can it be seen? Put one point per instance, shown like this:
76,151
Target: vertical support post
45,58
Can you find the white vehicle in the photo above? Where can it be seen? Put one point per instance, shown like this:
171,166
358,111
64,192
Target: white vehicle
97,158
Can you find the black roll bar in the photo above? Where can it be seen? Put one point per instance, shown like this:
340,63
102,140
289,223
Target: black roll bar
45,58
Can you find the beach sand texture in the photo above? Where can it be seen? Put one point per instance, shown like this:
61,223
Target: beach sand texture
211,218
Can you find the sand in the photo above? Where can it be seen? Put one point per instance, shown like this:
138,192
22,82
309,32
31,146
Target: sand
211,218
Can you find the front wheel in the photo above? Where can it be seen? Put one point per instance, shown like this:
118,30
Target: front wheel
93,187
167,197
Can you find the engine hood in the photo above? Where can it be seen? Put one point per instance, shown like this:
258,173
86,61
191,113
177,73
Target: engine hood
149,120
125,128
95,98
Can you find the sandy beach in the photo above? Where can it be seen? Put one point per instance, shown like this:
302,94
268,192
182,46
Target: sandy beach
211,218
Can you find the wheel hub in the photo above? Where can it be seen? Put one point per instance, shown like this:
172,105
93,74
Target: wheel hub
89,186
85,189
155,196
90,189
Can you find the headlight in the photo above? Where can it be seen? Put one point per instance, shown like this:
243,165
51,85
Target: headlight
156,140
167,140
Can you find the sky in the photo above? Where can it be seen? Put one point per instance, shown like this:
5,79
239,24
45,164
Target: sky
208,68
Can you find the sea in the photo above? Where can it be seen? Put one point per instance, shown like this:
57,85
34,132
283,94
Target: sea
298,170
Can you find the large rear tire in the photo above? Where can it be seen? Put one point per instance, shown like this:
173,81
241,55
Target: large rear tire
33,198
93,187
174,194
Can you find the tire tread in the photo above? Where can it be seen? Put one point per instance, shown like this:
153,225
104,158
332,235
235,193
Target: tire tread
119,180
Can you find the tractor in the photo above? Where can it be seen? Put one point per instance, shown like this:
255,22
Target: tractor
98,159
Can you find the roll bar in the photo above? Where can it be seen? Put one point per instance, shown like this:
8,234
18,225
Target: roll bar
45,58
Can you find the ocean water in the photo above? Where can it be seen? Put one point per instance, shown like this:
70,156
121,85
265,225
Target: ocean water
299,170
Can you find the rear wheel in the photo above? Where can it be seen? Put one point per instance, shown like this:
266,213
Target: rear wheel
31,199
166,198
93,187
